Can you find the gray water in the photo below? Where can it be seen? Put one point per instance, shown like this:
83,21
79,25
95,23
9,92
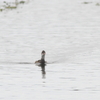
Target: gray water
69,33
61,82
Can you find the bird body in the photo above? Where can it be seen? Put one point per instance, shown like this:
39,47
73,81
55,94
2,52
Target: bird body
42,61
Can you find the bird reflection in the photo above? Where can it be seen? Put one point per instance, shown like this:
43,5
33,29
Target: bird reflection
43,70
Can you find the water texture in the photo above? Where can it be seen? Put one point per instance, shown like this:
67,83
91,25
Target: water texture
69,33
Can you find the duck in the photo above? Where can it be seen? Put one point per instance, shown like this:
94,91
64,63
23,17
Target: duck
42,61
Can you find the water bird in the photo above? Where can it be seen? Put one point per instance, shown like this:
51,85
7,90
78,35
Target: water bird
42,61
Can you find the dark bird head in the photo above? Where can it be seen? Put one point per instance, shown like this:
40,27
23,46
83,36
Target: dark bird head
43,52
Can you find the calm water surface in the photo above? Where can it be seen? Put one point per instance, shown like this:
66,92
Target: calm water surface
65,29
62,81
